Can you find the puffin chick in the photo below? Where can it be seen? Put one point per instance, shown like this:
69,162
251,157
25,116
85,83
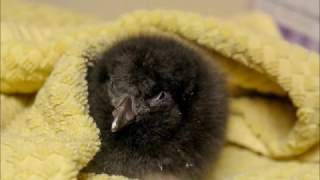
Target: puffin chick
161,109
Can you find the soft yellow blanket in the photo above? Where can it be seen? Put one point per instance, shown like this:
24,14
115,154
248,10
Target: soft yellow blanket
46,132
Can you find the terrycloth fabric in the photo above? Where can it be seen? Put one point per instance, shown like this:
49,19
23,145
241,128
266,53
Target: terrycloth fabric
46,132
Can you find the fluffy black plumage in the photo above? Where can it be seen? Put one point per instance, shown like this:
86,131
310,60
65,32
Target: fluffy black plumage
160,107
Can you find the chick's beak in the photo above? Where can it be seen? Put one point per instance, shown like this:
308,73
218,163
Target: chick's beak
124,114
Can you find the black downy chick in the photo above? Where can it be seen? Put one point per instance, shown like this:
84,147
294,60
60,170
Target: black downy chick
160,107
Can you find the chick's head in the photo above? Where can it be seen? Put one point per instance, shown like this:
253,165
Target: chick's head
148,83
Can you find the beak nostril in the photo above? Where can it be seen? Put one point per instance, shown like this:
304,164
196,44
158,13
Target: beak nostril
143,109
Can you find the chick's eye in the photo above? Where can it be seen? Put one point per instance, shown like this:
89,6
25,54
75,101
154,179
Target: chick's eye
160,99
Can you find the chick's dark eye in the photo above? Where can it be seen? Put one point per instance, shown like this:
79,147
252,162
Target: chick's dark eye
160,99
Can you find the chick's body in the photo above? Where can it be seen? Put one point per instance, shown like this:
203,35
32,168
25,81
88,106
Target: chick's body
160,108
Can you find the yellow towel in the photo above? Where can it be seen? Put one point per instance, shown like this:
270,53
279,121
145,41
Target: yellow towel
46,132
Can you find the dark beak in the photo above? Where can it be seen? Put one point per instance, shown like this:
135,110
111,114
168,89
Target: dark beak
123,114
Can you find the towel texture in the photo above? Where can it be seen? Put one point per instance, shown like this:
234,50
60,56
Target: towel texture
47,133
